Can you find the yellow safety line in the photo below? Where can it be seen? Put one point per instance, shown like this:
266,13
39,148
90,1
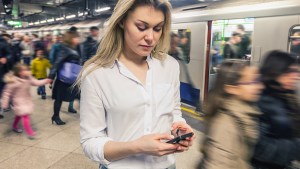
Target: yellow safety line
192,112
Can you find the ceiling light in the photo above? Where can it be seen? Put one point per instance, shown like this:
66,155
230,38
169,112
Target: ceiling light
70,16
59,19
102,9
50,20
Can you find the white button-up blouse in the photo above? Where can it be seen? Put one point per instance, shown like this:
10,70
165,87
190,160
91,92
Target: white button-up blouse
116,106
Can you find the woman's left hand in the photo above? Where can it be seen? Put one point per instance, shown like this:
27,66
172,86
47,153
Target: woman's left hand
183,128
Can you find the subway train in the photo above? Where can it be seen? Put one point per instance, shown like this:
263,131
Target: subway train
201,31
269,24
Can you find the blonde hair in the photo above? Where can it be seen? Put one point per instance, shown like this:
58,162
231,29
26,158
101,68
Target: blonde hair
111,45
18,68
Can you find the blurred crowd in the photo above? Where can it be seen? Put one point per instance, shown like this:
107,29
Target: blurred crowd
28,59
253,115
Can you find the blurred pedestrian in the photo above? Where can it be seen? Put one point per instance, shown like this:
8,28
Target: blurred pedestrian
16,49
231,48
5,53
295,46
279,142
130,103
91,44
62,91
39,67
55,48
18,91
27,50
245,44
232,117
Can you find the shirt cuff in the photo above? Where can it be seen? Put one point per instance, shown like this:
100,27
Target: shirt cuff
101,151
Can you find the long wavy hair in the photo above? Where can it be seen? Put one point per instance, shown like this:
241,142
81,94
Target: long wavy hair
230,73
112,43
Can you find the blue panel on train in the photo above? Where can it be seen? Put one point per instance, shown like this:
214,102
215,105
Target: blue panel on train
189,94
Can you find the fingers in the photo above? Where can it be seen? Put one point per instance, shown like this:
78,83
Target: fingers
164,136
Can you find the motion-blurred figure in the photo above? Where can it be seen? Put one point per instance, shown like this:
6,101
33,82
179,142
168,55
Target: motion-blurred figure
39,67
231,48
62,91
295,48
232,118
91,44
18,90
55,48
27,50
16,49
4,55
244,45
279,142
176,51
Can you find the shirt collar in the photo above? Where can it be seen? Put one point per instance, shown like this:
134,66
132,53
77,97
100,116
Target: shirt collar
149,60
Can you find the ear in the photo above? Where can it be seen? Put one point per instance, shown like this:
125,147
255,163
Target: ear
231,89
121,24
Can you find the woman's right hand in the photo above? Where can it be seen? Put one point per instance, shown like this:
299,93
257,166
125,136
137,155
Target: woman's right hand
153,144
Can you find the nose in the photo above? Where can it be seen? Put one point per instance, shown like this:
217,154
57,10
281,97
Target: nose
149,36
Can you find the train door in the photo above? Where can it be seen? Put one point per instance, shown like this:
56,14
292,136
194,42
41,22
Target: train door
188,46
230,39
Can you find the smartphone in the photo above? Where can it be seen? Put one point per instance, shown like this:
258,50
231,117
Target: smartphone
179,138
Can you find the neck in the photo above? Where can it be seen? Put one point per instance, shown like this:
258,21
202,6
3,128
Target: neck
138,60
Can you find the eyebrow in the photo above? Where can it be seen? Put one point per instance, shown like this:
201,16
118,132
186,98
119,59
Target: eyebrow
148,23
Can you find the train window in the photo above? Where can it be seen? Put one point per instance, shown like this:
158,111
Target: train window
294,40
231,39
180,45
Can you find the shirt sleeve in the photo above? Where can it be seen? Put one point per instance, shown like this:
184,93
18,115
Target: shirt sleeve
93,126
35,82
177,115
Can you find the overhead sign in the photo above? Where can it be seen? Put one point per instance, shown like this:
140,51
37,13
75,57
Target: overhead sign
14,23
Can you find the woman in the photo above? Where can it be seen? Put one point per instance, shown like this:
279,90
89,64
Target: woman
27,50
130,91
232,117
63,91
279,143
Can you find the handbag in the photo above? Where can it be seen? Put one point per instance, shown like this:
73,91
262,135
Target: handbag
68,72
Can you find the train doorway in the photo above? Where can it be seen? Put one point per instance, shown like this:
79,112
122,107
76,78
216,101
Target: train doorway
230,39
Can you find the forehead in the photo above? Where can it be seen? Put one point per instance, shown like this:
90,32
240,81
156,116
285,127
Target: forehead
147,14
249,72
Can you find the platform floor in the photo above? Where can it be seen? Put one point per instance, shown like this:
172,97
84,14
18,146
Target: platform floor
58,147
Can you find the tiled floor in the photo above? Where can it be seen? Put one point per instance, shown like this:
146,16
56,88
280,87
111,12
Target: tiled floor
58,147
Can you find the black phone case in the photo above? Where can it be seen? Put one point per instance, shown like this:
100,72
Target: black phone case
179,138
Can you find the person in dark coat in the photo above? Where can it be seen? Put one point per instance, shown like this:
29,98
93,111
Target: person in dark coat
63,91
279,143
16,49
4,55
295,48
91,44
231,48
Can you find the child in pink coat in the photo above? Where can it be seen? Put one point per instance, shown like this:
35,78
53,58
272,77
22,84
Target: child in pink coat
18,91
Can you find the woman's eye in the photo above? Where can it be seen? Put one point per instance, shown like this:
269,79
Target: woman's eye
140,28
157,29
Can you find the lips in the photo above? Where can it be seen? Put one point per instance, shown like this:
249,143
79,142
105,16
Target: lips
146,46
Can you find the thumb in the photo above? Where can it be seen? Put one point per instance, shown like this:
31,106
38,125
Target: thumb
164,136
